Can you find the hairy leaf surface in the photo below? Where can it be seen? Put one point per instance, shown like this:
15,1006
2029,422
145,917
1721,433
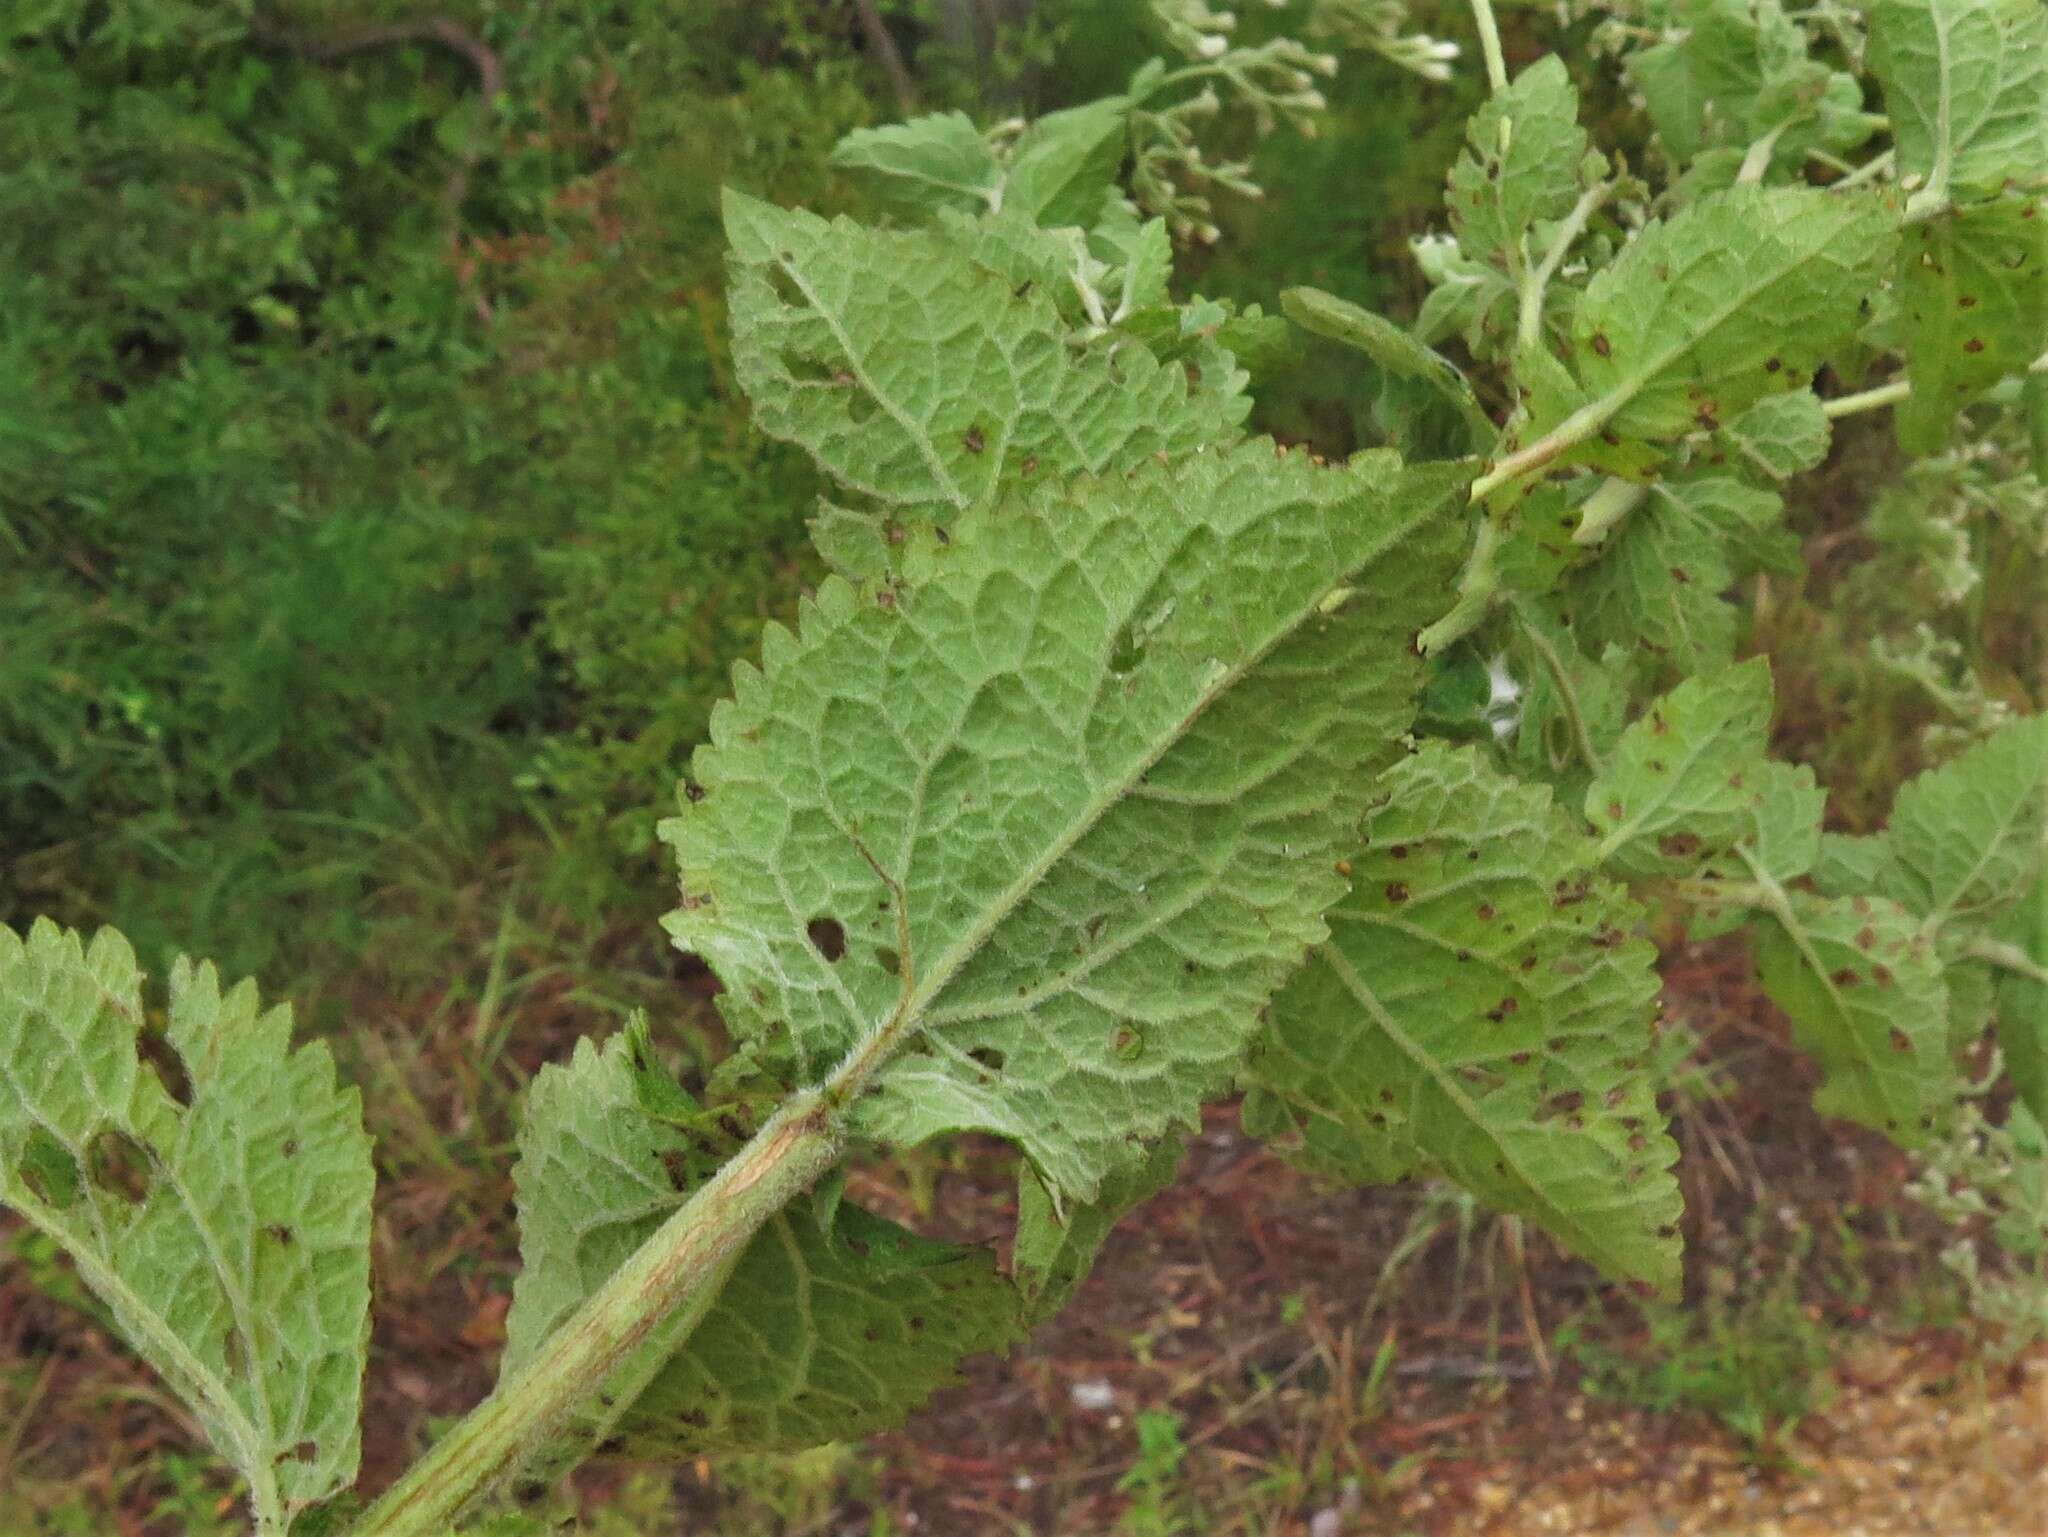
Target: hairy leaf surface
1056,1244
1521,163
832,1322
1862,987
1684,780
1735,297
1659,589
1482,1008
1967,836
1966,83
930,163
929,367
1050,823
1973,286
228,1230
1781,435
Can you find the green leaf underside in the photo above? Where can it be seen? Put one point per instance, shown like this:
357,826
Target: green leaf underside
1973,285
1660,588
1056,1247
1966,838
1702,88
1738,296
927,164
1061,167
1497,195
1781,435
1685,779
832,1323
921,374
1966,83
1862,987
1482,1009
1107,751
228,1236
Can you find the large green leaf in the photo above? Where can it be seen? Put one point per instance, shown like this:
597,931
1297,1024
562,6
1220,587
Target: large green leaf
1684,780
931,367
1736,297
1736,71
1057,1243
1781,435
1066,162
227,1228
1967,836
1482,1008
1659,591
1863,989
1521,163
1973,290
1050,822
925,165
1966,83
832,1322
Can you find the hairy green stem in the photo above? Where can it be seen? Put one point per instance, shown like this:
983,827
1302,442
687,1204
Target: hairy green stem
684,1260
1874,167
1603,511
1758,158
2007,957
1568,434
1489,45
1477,588
1536,279
1867,400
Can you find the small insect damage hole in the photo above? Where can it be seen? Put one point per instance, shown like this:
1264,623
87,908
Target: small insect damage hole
828,937
119,1166
987,1058
1128,1042
159,1055
889,960
49,1171
1128,651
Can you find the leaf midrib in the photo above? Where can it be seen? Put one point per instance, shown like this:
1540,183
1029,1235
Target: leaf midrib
909,1017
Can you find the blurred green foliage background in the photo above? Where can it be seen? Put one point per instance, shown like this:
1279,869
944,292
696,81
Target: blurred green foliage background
379,515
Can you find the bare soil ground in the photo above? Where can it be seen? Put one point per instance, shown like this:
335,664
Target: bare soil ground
1374,1362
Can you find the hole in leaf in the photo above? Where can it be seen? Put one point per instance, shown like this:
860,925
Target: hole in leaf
49,1171
786,287
1128,651
889,961
157,1053
828,937
987,1058
1128,1043
119,1165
